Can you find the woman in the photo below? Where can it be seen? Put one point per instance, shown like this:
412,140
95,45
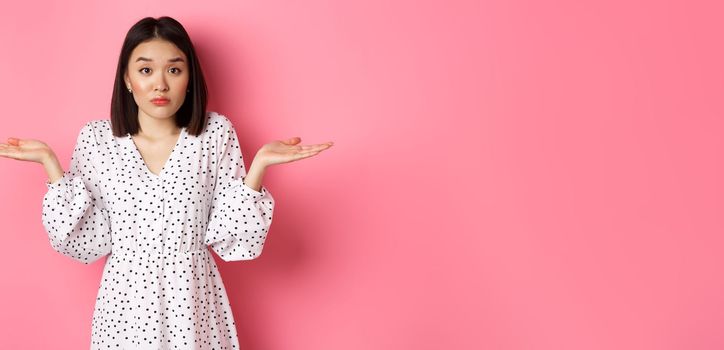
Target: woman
154,187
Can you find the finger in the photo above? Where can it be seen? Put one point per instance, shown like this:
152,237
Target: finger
8,153
292,141
305,154
318,146
322,146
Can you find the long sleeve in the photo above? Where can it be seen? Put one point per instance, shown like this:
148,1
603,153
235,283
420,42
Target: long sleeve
77,224
239,217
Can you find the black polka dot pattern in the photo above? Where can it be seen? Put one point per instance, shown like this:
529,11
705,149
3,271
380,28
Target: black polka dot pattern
161,288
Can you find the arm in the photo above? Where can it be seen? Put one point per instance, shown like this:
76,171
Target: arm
240,216
73,215
255,175
52,167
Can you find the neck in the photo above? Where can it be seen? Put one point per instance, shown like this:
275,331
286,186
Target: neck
157,128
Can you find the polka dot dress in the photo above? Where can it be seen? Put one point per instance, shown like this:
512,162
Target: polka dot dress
161,288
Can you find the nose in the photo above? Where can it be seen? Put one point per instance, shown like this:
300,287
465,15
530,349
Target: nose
161,84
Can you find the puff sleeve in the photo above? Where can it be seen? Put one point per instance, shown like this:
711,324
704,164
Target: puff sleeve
77,224
239,217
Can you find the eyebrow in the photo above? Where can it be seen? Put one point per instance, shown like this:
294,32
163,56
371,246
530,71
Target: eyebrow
177,59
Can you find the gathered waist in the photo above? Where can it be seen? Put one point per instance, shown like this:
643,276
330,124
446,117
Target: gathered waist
156,253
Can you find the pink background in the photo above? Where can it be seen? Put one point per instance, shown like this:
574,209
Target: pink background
505,175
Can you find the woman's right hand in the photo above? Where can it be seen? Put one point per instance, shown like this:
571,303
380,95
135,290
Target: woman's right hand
27,150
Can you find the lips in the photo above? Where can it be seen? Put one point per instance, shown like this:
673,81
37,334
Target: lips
160,101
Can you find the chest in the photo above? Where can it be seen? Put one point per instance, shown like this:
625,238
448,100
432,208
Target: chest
155,154
149,182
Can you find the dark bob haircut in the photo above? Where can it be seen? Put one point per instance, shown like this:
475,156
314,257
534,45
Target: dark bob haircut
124,111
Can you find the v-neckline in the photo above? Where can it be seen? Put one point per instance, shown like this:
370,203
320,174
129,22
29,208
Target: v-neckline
165,164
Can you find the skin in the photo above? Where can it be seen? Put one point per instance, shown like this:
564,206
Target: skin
158,134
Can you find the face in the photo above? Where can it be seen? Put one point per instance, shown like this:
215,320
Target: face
157,68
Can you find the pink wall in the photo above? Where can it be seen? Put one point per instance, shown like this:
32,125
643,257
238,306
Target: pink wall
505,175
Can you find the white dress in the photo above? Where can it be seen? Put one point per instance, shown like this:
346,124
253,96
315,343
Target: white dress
160,287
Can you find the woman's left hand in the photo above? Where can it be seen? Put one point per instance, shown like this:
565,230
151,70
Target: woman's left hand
285,151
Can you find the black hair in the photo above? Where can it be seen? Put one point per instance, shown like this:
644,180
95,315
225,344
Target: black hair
124,111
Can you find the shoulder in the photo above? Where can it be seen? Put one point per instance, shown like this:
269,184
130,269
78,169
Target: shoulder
101,130
217,121
218,126
96,131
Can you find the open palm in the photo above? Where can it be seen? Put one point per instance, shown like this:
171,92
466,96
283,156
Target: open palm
24,149
284,151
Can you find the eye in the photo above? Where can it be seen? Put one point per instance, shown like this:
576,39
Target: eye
141,70
178,70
